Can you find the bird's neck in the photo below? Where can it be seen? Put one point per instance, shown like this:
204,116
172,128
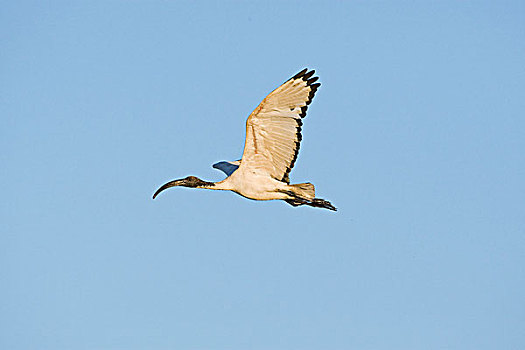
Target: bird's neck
221,185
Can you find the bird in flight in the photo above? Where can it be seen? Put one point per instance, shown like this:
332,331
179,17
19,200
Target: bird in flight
273,137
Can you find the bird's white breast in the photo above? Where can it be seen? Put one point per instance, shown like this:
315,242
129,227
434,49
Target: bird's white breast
256,186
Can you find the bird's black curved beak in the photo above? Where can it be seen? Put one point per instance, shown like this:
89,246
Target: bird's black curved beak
168,185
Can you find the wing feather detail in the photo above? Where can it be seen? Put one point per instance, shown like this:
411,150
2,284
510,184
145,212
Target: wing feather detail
273,129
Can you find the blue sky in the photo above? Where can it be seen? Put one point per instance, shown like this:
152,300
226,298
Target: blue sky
416,135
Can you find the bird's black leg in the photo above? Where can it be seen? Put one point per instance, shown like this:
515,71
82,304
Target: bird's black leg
316,202
295,202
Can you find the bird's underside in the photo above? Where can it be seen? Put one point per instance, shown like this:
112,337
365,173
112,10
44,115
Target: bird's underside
273,136
266,188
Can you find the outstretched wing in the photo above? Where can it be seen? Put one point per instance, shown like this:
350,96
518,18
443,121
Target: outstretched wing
227,167
273,129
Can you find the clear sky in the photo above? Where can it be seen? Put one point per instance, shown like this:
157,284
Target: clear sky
417,135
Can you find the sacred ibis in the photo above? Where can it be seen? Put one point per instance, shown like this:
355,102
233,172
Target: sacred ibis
273,137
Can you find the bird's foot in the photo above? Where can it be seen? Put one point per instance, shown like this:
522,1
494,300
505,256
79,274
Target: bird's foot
321,203
316,202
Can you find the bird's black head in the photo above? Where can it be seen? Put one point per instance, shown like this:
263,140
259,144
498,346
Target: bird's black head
193,181
190,181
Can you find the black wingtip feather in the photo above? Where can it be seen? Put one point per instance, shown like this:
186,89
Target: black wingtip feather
308,75
300,74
